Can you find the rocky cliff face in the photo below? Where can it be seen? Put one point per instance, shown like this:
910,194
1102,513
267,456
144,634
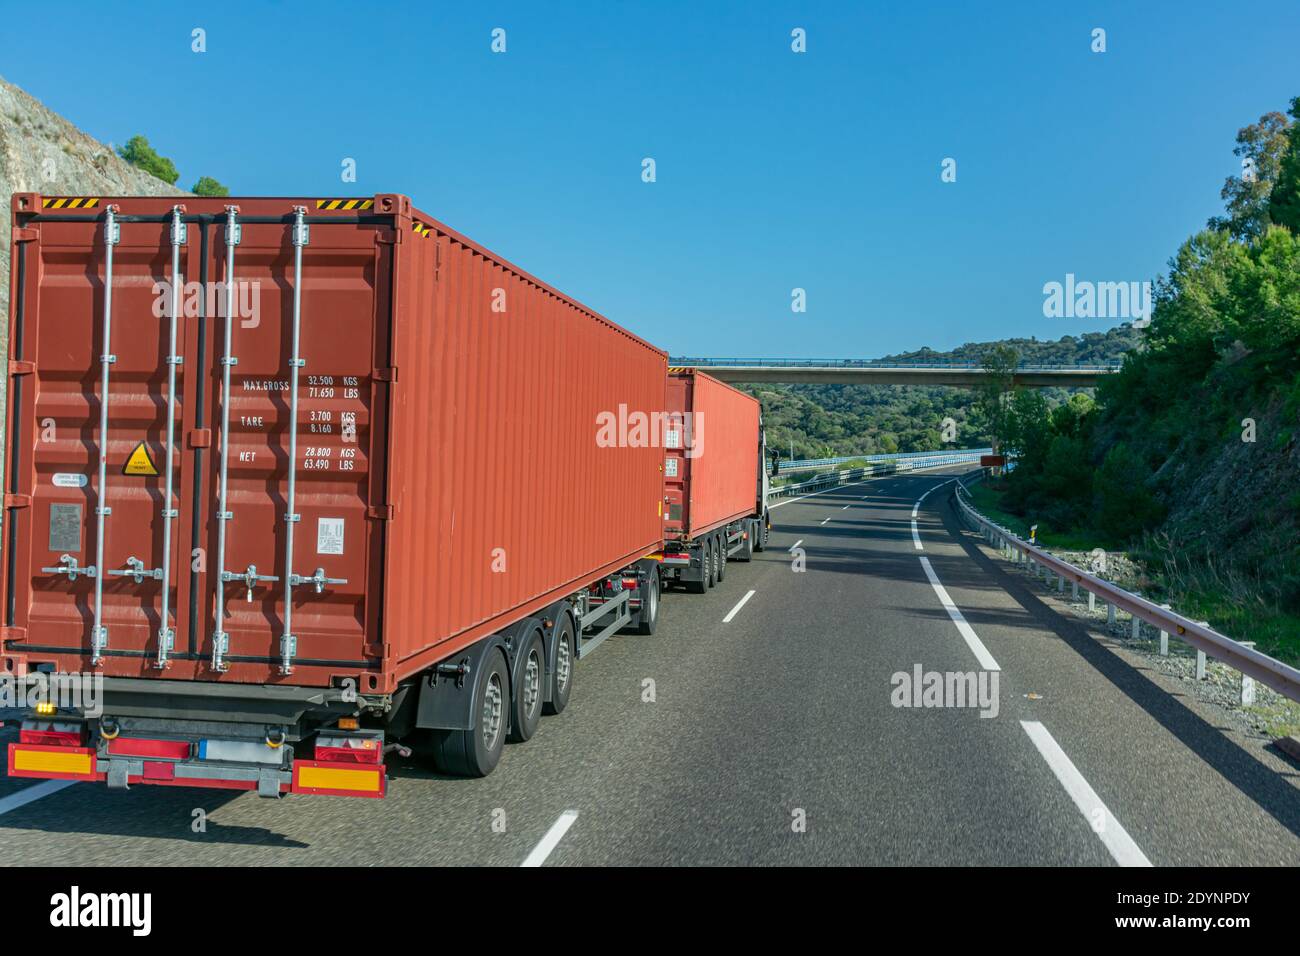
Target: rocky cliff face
42,152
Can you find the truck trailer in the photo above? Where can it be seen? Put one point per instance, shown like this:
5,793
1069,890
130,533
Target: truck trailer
301,479
715,480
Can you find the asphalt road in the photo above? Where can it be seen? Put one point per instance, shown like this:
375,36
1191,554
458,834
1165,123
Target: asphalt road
773,738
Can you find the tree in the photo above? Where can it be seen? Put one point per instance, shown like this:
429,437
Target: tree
140,154
1262,147
999,366
207,186
1284,203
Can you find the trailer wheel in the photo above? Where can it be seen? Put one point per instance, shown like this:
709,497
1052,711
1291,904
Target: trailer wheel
477,751
759,533
722,555
649,617
562,672
526,703
746,552
711,557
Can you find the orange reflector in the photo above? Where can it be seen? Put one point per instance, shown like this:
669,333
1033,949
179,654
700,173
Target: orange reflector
71,763
311,776
349,723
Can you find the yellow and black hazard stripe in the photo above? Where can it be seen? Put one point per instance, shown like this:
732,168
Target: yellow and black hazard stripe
344,204
681,368
421,228
78,202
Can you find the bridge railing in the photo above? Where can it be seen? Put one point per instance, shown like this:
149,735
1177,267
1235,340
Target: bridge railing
696,362
804,464
894,465
1240,656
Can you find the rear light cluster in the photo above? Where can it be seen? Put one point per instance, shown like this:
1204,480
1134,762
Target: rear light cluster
49,733
349,749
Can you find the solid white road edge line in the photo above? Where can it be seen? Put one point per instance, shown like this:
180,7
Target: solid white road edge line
972,640
551,840
916,538
32,794
739,605
1102,821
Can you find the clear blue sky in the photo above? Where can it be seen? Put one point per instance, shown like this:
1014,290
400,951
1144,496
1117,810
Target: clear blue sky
775,170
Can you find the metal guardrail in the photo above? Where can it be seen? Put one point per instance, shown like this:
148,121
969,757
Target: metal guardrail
1281,677
806,463
697,362
890,467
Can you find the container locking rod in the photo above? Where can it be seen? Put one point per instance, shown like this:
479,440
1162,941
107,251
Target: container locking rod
99,633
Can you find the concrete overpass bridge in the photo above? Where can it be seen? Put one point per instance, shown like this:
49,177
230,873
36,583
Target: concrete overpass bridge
873,372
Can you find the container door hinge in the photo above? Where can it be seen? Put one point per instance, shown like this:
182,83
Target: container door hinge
199,437
18,501
385,374
25,234
21,367
17,635
382,512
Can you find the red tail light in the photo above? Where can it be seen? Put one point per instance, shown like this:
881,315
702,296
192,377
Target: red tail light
53,735
631,584
349,749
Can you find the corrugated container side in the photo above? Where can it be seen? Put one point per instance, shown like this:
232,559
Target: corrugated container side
503,499
718,470
448,475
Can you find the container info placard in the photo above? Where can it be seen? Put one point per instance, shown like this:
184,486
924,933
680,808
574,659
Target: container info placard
65,528
329,536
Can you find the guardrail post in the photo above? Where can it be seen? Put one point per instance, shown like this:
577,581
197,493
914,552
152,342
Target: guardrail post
1074,590
1060,584
1164,637
1092,601
1137,627
1110,615
1247,683
1200,656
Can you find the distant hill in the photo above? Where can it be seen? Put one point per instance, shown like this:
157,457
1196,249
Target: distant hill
836,420
41,151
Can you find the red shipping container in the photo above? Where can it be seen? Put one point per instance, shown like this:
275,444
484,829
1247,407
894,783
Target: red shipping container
447,474
712,468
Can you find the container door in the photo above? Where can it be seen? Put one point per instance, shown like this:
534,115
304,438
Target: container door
677,465
93,390
289,534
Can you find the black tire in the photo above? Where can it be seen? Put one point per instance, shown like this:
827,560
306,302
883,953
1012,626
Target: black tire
477,751
561,676
711,565
763,533
649,617
722,555
528,689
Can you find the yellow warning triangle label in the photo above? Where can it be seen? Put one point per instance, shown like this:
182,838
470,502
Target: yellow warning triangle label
140,463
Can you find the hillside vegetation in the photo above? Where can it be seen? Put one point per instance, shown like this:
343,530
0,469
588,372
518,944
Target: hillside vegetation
1191,454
